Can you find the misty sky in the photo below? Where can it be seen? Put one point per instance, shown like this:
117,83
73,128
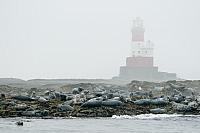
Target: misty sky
92,38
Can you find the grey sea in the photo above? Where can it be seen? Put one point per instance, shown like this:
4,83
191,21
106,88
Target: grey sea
148,123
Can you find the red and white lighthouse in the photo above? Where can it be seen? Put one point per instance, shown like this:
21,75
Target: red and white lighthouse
142,52
140,66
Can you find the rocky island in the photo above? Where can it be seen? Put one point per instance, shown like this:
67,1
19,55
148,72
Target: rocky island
100,99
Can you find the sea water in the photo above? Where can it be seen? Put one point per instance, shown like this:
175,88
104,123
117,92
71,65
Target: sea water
147,123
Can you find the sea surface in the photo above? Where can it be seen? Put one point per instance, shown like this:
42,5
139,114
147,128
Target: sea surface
148,123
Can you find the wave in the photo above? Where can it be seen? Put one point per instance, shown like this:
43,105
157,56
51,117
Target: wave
151,116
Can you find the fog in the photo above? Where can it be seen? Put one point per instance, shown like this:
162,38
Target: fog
92,38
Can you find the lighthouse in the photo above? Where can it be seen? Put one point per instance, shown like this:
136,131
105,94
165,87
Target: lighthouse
140,64
142,52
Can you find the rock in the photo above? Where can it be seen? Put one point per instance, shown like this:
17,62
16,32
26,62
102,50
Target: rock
21,107
102,100
64,108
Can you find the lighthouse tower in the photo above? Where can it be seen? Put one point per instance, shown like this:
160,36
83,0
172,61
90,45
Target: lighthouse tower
142,52
139,47
139,65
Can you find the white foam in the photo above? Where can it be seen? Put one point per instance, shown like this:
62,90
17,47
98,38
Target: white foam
146,116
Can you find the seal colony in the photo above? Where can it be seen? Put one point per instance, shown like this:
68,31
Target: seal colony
102,100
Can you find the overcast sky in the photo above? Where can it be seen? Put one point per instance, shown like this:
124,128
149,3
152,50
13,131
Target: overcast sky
92,38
